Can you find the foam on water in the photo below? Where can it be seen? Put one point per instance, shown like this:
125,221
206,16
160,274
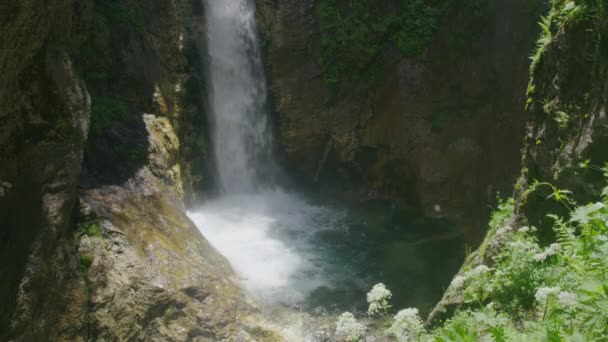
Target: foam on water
268,237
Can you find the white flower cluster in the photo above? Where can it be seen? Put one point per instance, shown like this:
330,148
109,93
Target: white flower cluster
564,298
523,245
504,230
479,270
4,187
459,280
567,299
542,293
348,327
407,325
527,229
552,250
378,298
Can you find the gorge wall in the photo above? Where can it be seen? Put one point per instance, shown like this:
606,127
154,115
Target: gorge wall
438,125
566,135
45,110
103,144
107,253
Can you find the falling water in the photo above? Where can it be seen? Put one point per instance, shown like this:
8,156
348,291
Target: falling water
237,95
252,220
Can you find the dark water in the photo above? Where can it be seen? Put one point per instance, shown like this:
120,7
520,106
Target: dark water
320,256
376,242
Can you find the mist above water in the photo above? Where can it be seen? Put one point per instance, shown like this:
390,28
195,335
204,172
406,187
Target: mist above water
250,220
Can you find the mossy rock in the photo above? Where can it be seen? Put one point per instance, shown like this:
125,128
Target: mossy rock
262,334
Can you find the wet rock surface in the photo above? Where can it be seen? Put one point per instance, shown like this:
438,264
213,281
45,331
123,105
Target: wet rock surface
441,131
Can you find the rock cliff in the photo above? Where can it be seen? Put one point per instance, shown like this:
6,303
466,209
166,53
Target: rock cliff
107,253
566,136
441,130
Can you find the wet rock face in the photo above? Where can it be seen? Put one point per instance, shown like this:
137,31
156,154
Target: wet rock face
45,109
118,259
570,75
150,274
155,67
565,142
440,131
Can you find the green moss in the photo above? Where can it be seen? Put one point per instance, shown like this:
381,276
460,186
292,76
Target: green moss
90,226
115,12
86,261
264,335
92,229
104,111
354,36
169,312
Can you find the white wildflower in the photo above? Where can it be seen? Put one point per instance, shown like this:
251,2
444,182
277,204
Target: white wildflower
378,298
504,230
553,249
458,282
521,245
479,270
527,229
567,299
378,293
348,327
542,293
407,325
374,307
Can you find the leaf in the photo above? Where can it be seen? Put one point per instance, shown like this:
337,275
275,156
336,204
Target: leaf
605,192
584,214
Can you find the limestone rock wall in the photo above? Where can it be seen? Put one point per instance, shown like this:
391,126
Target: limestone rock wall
566,135
44,108
102,145
440,131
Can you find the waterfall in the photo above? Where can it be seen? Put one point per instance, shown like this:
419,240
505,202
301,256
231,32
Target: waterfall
284,249
262,230
237,96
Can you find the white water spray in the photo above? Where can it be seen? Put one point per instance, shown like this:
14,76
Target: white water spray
237,95
265,233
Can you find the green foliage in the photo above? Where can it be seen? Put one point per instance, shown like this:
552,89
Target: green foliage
542,42
575,268
169,312
92,229
117,13
535,292
90,226
105,111
264,335
501,215
417,28
86,261
354,36
564,13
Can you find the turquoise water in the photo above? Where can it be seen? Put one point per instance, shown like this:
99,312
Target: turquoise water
323,257
415,258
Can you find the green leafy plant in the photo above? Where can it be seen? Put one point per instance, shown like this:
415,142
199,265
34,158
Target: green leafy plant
353,37
86,261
